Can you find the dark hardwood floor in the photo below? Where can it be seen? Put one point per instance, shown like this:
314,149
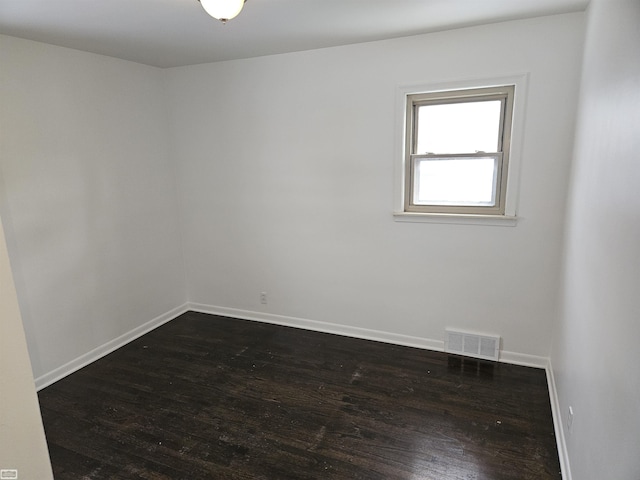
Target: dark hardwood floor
207,397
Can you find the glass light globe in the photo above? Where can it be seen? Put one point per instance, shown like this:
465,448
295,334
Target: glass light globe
223,10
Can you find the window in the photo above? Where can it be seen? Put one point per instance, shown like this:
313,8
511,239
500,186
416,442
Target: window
457,151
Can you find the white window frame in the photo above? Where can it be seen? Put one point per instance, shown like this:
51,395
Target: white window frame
505,213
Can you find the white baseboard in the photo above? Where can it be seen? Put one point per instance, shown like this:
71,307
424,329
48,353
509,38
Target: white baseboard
324,327
523,359
563,454
357,332
99,352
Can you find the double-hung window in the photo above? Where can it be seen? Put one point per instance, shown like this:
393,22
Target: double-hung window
457,151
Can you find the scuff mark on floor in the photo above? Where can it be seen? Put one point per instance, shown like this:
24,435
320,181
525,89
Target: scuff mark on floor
93,474
318,438
357,374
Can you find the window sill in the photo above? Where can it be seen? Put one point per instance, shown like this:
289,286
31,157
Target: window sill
495,220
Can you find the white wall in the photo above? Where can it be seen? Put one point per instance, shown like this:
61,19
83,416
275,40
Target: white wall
22,443
285,170
90,195
595,351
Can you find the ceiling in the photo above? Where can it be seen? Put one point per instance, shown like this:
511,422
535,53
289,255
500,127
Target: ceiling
169,33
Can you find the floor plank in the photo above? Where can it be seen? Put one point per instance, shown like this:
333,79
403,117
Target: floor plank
208,397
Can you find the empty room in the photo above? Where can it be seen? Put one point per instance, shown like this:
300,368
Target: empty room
318,239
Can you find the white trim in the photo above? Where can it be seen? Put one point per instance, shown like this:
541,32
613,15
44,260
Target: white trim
357,332
306,324
324,327
523,359
494,220
99,352
563,453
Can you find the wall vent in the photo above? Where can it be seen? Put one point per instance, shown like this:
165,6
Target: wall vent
472,345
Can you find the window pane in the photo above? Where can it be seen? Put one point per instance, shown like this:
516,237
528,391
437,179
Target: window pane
459,181
459,127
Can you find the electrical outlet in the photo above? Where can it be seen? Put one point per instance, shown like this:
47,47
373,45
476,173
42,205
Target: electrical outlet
263,298
570,418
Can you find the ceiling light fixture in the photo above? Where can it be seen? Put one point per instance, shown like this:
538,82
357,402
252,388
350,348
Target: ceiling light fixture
223,10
